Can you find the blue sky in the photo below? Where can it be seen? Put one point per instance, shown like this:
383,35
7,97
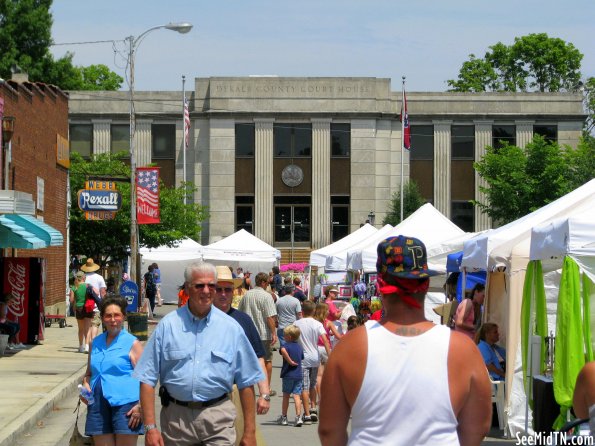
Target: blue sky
424,40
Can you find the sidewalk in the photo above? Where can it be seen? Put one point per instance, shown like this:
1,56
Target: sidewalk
34,379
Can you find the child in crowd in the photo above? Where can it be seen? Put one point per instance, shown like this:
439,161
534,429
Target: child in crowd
310,330
352,322
291,374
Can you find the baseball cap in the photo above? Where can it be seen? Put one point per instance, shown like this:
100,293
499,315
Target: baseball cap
403,257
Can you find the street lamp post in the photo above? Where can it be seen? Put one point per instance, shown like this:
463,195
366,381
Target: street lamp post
133,43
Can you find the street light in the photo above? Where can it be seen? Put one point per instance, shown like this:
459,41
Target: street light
133,43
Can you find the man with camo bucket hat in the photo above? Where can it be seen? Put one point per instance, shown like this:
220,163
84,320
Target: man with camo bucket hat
403,380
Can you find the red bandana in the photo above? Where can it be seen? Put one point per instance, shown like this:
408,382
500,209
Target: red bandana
404,288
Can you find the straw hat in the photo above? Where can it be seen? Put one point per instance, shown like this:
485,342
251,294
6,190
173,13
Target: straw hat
224,275
90,266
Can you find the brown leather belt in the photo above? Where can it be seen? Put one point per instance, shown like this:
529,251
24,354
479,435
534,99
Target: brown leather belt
199,404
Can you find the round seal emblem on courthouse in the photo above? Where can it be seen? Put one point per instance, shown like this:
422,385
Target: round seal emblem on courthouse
292,175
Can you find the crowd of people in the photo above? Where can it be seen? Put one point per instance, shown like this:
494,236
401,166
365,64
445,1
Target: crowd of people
204,359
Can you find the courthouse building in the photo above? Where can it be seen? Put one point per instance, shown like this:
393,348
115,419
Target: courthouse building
304,161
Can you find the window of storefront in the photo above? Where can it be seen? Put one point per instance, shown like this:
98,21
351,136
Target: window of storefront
340,140
462,215
503,134
549,132
245,140
120,138
81,139
462,142
292,140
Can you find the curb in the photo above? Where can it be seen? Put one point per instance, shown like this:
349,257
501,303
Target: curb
28,419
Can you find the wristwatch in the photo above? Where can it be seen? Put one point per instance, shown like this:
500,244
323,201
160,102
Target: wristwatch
148,427
266,397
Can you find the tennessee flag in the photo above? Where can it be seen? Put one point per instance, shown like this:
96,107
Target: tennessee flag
405,121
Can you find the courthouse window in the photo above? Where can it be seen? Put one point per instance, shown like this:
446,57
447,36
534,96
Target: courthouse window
422,142
81,139
245,140
462,215
120,138
292,140
463,142
549,132
502,134
340,140
164,141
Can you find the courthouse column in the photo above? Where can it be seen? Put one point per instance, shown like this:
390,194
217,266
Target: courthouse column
442,150
263,181
483,138
524,133
143,142
321,183
101,135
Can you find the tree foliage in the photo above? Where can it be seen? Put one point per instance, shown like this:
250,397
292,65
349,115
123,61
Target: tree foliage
589,93
523,180
535,62
25,40
111,238
413,201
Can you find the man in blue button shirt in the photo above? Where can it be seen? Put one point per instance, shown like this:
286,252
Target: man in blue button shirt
197,353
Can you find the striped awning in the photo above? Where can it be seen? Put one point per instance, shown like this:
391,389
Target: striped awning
41,230
13,235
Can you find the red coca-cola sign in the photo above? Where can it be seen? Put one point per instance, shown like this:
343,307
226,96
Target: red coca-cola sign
16,285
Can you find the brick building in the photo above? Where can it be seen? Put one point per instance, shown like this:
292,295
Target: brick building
34,178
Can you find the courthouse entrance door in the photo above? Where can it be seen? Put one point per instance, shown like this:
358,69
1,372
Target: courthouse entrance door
292,225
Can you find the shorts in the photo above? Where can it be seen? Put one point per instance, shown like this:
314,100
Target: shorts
281,337
322,354
292,386
80,313
105,419
268,351
96,322
309,378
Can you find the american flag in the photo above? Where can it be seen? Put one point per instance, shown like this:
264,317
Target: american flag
405,121
186,124
147,195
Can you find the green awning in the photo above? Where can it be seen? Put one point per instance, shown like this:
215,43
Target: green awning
43,231
13,235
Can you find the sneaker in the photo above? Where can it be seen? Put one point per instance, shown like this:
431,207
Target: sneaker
273,393
313,415
298,421
307,419
19,346
86,349
282,420
82,349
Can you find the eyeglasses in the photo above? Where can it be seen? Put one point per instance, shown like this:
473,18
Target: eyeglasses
198,286
226,289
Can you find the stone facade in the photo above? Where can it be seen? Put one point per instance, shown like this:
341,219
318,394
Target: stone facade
367,105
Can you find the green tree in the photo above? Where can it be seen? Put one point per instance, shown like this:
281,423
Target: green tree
25,40
523,180
111,238
535,62
589,94
413,201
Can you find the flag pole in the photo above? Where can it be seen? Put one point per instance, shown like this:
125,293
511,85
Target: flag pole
184,132
403,111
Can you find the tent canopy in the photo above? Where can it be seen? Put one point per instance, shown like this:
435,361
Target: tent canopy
427,223
337,261
318,257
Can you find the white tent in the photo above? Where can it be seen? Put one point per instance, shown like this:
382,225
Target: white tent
426,223
337,261
242,249
318,257
171,262
504,253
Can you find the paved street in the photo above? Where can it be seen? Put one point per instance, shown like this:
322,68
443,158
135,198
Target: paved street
39,394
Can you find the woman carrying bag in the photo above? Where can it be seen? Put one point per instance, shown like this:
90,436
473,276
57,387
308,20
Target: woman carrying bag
114,417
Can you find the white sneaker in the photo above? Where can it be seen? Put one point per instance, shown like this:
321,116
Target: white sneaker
299,421
19,346
282,420
82,349
86,350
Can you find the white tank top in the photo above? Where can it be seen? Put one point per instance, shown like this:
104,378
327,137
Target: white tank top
405,398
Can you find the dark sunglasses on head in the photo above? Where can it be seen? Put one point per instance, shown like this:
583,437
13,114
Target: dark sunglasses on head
226,289
198,286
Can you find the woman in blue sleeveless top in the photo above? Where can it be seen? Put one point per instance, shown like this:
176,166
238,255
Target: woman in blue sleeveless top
114,417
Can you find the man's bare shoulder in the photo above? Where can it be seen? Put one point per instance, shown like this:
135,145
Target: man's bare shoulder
352,345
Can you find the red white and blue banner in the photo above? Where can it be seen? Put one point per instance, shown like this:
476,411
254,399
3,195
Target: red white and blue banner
147,195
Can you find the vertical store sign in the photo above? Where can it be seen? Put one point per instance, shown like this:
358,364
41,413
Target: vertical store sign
147,195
